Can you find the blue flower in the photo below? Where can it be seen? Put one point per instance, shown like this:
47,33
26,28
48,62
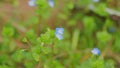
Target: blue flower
51,3
111,30
95,51
59,36
32,3
59,32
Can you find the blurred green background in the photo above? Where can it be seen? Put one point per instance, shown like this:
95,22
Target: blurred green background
27,34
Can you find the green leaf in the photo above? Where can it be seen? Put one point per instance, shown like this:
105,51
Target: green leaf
70,5
36,52
31,36
4,66
18,55
100,9
29,65
46,38
109,64
12,46
83,3
8,31
24,39
89,24
53,64
109,23
75,39
103,37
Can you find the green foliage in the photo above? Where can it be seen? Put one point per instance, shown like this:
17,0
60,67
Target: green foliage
84,3
8,31
38,47
101,9
30,35
75,39
43,9
97,63
103,37
46,38
53,64
89,24
36,53
18,56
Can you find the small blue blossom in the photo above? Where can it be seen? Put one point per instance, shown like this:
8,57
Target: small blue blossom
59,32
32,3
59,36
95,51
51,3
111,30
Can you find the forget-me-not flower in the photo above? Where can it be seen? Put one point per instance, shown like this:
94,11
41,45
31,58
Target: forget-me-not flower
32,3
59,33
59,30
51,3
95,51
59,36
111,30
